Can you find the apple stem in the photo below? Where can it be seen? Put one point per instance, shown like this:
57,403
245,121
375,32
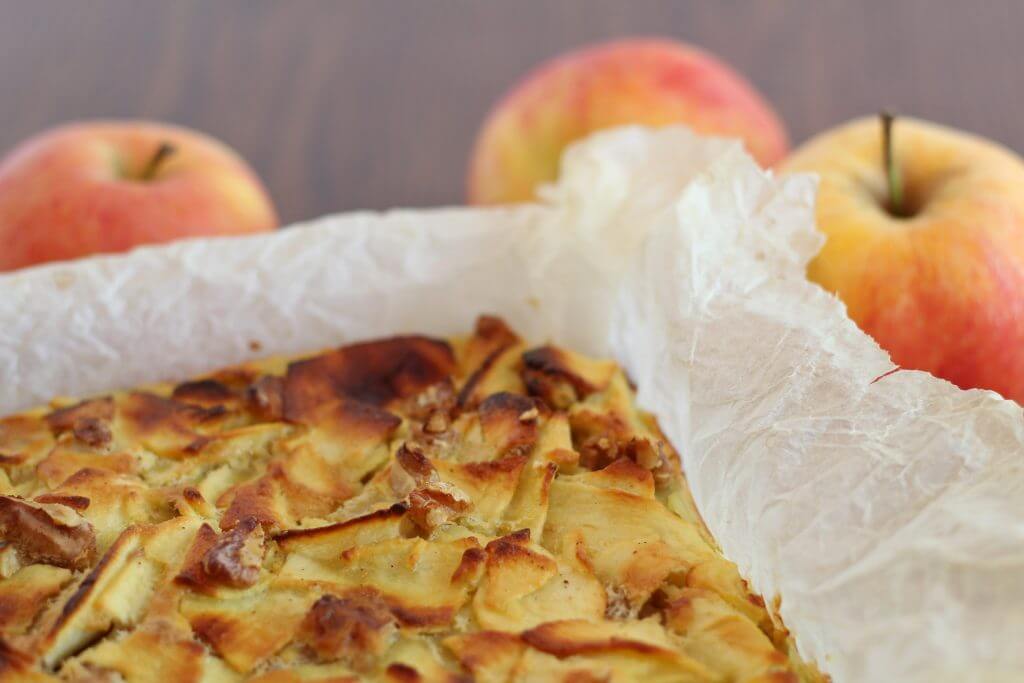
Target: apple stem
892,173
161,154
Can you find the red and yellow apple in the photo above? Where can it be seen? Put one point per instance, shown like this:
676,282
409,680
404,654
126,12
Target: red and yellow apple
110,186
650,82
927,251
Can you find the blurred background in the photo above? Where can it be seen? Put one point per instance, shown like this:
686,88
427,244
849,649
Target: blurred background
374,103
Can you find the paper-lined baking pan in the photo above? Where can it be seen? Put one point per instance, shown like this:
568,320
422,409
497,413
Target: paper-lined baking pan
884,512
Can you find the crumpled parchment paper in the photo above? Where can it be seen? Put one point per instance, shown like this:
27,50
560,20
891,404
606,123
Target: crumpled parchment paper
885,511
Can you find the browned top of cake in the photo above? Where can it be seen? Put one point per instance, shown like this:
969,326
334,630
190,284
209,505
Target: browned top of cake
409,509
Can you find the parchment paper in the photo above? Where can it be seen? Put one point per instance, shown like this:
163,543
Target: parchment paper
888,515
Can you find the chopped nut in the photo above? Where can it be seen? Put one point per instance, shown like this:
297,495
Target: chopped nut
356,628
92,431
9,562
530,415
439,397
437,423
644,453
435,503
618,606
47,532
596,453
564,457
415,463
265,397
235,559
66,419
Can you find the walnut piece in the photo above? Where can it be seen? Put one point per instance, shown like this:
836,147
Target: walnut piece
437,398
437,423
597,452
88,421
92,431
356,628
9,561
434,503
530,415
266,397
415,464
644,453
65,419
47,533
237,555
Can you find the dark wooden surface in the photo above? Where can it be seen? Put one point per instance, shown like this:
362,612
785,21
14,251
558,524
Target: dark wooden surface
352,104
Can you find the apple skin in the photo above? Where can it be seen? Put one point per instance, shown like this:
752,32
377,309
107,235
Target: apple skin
652,82
76,190
943,289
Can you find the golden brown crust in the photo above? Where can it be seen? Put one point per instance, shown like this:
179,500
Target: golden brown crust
561,377
560,639
193,572
169,427
265,397
96,409
24,440
204,392
25,594
17,665
408,509
509,422
340,536
376,373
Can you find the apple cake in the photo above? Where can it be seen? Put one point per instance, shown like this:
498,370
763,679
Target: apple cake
408,509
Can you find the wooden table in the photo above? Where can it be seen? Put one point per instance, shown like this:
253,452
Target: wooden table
374,103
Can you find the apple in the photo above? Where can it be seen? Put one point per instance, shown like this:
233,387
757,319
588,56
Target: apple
652,82
925,245
99,187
